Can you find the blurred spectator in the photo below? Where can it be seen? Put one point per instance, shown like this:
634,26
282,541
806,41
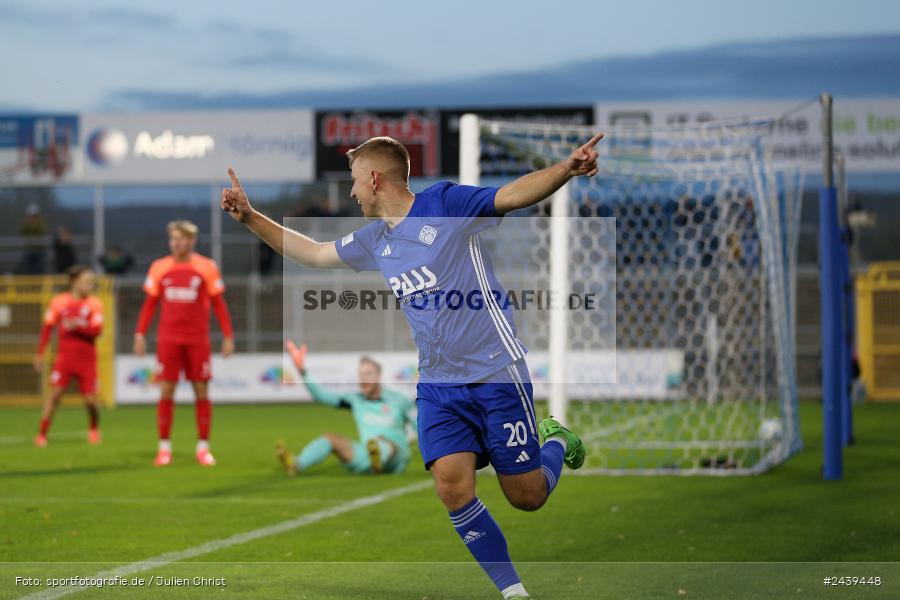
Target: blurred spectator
319,207
63,250
33,231
115,261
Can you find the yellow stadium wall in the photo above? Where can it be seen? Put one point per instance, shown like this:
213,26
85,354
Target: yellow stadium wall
878,330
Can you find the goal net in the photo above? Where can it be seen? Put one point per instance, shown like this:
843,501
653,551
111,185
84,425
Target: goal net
705,230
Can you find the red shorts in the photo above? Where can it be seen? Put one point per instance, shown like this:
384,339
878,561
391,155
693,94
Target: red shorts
85,370
173,357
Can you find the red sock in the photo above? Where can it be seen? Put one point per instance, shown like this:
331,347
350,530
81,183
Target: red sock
45,426
203,409
164,417
93,417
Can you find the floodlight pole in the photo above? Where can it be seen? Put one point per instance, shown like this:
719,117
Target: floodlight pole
831,292
99,246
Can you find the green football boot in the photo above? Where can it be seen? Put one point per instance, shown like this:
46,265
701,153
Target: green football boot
575,450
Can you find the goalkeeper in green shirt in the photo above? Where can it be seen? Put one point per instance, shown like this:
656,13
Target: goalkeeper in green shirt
381,417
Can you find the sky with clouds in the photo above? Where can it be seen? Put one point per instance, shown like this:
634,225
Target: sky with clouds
81,56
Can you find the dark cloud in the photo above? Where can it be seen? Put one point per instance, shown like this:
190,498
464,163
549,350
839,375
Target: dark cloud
796,68
307,61
278,48
18,109
17,14
260,47
273,36
132,18
68,18
220,26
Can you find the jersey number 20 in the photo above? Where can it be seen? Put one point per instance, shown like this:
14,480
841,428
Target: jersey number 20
518,435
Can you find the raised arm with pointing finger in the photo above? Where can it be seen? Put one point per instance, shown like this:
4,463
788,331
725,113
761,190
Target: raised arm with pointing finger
523,192
287,242
534,187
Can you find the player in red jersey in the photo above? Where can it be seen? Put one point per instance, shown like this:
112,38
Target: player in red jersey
185,284
79,317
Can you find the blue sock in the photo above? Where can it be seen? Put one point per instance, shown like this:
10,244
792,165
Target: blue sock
315,452
552,453
485,541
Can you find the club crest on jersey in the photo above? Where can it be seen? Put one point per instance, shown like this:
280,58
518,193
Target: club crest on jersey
427,234
414,280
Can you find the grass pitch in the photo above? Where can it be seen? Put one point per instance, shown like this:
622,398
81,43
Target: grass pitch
75,510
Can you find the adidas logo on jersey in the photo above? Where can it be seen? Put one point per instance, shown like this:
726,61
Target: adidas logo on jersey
471,536
523,457
386,251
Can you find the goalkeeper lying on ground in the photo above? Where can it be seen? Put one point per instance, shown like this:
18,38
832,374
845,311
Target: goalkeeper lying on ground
381,417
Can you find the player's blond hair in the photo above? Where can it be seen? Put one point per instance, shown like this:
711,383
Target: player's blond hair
387,149
184,226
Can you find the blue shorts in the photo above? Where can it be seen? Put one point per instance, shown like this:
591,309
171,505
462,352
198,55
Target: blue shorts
494,420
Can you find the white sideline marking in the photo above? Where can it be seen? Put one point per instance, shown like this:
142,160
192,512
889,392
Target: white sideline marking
12,440
239,538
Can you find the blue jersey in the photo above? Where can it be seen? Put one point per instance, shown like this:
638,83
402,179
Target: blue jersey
434,263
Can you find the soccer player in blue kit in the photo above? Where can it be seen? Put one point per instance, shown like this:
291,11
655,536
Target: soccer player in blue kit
474,394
